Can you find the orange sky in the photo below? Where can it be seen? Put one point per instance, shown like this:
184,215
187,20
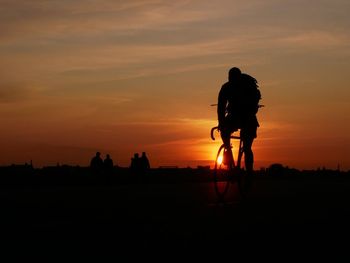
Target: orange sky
81,76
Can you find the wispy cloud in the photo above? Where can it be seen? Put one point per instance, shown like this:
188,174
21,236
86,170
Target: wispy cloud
68,18
17,92
136,39
319,40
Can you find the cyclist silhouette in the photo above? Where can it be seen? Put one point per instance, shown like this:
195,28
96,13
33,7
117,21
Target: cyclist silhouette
238,103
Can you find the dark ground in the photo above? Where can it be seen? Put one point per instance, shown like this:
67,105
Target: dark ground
281,219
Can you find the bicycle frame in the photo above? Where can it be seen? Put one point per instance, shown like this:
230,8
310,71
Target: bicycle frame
240,147
226,173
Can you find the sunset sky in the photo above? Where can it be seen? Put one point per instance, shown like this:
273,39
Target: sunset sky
121,77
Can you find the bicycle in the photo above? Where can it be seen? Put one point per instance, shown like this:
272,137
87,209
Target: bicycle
227,171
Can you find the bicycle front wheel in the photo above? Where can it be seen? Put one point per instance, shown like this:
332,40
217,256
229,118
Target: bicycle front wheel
222,173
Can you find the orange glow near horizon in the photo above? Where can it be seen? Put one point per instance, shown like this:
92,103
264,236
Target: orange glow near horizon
220,159
130,76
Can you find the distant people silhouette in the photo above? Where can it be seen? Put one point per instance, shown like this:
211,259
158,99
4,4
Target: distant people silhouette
144,162
135,163
96,163
238,103
108,164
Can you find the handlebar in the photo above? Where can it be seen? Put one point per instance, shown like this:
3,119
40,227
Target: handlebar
259,106
212,132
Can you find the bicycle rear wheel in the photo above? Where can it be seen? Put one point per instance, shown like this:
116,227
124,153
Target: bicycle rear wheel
222,173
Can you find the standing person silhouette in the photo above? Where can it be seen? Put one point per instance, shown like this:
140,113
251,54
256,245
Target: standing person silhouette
96,163
135,163
145,162
238,103
108,164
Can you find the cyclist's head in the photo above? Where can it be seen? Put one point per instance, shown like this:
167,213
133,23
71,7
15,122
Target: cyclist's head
234,73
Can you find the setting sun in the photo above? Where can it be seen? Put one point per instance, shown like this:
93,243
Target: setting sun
219,161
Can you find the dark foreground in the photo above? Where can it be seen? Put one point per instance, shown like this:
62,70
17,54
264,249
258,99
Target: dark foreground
281,219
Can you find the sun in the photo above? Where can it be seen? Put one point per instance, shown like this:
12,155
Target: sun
219,160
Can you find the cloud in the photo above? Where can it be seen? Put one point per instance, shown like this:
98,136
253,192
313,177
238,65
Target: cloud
11,93
68,18
320,40
108,40
66,21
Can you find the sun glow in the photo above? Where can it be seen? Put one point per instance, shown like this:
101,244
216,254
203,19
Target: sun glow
219,161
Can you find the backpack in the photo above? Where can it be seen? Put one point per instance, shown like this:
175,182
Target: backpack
246,96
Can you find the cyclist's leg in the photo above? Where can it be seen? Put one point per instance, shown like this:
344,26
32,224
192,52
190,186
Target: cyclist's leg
248,153
225,136
248,134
